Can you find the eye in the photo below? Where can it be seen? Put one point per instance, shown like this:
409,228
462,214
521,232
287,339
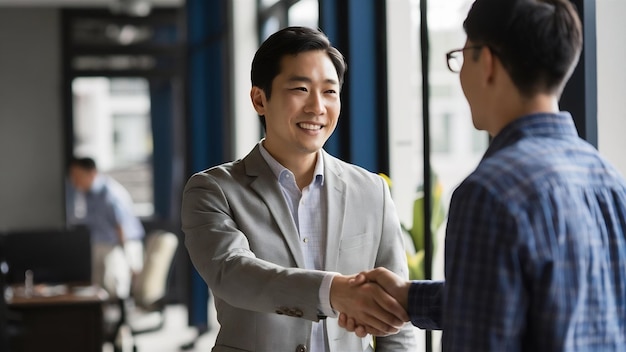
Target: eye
331,91
302,89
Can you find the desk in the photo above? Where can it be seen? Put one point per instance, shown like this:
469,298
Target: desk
69,321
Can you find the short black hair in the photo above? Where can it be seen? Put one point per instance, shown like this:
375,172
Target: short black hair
84,163
290,41
538,41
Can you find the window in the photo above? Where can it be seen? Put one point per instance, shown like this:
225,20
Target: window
455,146
278,14
112,126
123,100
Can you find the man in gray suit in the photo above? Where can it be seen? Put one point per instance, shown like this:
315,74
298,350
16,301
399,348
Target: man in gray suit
278,234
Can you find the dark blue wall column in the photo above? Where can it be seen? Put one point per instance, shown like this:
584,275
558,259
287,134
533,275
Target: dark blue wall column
364,141
207,109
357,29
162,131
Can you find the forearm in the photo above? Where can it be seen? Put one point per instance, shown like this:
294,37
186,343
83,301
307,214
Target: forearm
244,281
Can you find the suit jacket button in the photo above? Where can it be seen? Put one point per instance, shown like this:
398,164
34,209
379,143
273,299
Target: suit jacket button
301,348
298,313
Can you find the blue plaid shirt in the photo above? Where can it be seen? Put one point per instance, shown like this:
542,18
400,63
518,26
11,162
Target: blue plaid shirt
535,248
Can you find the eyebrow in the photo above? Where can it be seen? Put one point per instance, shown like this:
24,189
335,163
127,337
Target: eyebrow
308,80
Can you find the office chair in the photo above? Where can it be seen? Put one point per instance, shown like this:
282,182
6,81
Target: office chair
148,291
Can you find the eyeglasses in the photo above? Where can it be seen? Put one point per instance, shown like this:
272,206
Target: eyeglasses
455,58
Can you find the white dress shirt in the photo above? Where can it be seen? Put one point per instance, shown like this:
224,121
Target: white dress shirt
309,213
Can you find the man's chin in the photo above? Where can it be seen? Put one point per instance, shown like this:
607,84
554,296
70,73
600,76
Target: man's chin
311,148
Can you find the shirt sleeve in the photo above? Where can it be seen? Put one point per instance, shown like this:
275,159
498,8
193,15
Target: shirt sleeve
485,300
325,308
425,304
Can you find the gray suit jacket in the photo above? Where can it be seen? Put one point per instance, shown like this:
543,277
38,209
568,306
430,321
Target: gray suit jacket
241,238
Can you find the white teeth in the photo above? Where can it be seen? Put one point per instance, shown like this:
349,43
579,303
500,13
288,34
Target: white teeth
310,126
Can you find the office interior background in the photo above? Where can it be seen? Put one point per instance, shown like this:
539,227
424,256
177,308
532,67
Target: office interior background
155,90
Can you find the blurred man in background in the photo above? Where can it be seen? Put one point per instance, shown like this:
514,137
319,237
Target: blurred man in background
116,233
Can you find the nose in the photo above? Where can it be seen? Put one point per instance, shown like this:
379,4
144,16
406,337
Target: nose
315,104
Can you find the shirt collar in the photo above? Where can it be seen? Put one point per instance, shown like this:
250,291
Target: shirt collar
98,184
278,169
555,125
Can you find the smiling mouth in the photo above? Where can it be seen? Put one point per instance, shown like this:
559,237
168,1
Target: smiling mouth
310,126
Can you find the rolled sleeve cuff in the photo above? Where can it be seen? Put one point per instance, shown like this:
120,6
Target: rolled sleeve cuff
425,304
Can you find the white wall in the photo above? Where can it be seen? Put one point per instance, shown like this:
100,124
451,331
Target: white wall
611,34
246,127
31,128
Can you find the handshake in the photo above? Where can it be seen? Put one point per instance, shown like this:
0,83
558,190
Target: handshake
372,302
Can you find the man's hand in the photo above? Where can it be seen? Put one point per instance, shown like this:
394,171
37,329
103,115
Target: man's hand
368,304
392,284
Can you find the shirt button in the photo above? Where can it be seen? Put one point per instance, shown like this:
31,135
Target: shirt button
305,240
301,348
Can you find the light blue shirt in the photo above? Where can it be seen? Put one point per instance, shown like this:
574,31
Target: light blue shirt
106,205
309,209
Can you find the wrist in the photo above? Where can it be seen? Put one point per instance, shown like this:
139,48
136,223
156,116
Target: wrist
336,287
403,294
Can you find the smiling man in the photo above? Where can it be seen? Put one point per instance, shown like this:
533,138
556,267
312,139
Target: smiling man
278,234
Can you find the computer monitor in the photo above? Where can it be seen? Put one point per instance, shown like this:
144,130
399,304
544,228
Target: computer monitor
54,256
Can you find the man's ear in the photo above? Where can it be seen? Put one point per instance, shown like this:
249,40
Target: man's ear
488,63
257,95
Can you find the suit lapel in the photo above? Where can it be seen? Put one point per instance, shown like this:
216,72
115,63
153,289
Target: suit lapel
336,203
267,187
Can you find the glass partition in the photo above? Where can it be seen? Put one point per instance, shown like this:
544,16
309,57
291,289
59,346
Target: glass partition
454,146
